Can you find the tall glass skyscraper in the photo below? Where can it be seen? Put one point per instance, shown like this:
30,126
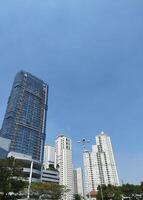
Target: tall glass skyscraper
25,118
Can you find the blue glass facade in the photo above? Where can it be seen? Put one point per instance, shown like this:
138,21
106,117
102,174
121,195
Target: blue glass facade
25,119
3,153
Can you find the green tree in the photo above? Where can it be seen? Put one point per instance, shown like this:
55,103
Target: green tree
52,167
77,197
10,178
109,192
130,190
47,191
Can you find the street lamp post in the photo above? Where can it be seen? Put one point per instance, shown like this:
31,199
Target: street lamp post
101,191
30,180
83,142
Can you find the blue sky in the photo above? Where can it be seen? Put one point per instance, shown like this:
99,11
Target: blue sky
91,54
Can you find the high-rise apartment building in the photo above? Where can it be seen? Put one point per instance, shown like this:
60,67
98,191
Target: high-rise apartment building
107,172
89,178
99,164
78,182
64,161
49,156
25,118
75,181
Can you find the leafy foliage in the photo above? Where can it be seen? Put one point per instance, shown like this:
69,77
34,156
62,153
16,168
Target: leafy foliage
52,167
47,191
110,192
132,191
10,178
77,197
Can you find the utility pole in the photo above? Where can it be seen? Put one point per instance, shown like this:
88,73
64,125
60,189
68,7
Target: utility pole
101,191
30,180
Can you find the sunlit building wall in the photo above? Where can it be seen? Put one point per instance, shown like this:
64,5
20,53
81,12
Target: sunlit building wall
65,166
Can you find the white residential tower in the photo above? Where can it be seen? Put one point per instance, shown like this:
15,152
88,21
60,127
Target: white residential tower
64,161
78,182
99,164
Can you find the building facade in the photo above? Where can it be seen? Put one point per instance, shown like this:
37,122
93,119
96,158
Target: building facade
104,161
64,162
49,156
75,181
31,168
99,164
89,178
4,147
50,176
25,118
78,182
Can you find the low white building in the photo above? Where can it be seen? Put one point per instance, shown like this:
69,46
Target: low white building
50,176
30,166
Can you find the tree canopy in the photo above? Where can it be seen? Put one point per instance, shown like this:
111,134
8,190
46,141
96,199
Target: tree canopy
11,181
47,191
110,192
77,197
